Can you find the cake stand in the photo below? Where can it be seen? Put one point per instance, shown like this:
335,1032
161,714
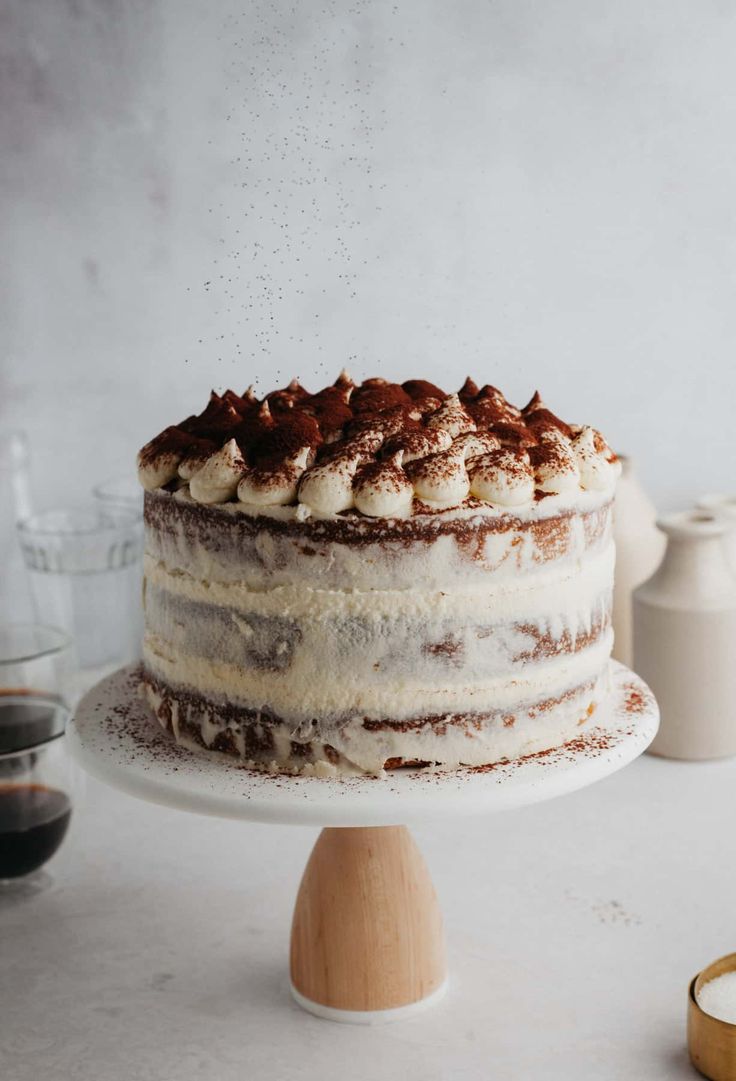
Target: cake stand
366,939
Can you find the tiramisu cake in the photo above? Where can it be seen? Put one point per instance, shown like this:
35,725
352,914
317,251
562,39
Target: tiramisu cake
376,575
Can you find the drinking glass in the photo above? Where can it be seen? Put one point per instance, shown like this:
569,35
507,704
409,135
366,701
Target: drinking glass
35,660
15,500
84,566
38,781
124,491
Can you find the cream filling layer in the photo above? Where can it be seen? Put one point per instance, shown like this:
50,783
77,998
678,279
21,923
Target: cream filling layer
330,697
450,745
439,563
554,594
463,745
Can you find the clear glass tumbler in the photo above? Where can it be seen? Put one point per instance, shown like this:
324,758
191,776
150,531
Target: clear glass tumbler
35,660
84,566
37,789
38,782
124,492
15,500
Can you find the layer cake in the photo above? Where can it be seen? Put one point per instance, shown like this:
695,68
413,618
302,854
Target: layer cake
376,575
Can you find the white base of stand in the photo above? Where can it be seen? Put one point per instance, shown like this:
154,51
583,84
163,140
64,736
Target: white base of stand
368,1017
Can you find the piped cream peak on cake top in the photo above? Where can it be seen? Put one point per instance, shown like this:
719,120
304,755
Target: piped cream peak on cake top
380,449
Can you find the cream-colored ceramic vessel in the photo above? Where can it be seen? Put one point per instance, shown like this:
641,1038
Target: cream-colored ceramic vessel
724,506
684,636
639,550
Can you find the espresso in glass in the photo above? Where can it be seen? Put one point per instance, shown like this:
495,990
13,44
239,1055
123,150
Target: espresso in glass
35,784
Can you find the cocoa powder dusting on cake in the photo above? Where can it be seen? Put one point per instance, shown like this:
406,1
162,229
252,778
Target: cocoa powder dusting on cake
167,514
390,475
637,699
129,722
421,388
551,537
330,408
468,390
171,440
542,420
451,648
378,399
271,431
286,439
546,644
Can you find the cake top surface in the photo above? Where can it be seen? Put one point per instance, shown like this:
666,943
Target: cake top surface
381,449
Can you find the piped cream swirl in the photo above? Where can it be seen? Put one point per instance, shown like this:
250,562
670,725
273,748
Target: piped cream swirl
598,466
504,477
556,467
217,480
328,489
441,478
452,417
383,490
271,486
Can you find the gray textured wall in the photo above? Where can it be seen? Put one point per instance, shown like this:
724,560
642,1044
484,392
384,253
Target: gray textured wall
200,194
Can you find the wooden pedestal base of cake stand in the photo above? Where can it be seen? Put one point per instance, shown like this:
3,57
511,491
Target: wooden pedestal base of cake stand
367,933
366,942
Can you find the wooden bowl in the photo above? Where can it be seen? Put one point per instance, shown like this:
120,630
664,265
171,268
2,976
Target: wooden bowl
711,1042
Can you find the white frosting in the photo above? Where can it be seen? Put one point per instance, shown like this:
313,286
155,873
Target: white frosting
402,631
385,492
217,480
191,464
472,444
278,558
373,642
597,471
506,410
504,477
296,699
436,455
552,594
560,474
452,417
270,487
453,746
328,489
156,473
364,446
441,478
420,442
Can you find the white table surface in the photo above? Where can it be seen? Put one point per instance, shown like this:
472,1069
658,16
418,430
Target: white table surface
574,927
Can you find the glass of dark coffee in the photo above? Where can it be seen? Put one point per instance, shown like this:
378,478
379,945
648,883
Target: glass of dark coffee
37,778
36,788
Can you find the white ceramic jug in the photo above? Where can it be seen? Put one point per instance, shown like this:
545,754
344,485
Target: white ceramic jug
685,639
639,548
724,506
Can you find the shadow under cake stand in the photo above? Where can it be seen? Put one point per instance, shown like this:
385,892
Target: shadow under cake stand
366,941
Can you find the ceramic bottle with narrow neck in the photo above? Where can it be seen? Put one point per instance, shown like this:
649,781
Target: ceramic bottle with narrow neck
639,549
684,638
723,506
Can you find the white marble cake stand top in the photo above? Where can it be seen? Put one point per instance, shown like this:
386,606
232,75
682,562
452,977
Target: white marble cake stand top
117,739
